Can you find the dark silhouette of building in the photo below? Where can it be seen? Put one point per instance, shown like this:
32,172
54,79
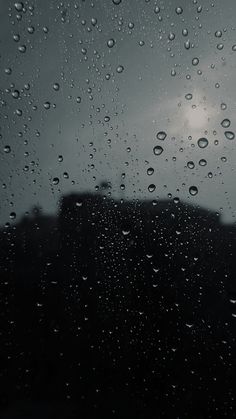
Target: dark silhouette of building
119,309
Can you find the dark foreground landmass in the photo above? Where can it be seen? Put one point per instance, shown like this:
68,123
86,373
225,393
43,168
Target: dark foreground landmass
124,310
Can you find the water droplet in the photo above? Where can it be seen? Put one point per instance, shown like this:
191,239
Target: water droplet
56,86
190,165
55,181
111,43
13,216
193,190
22,49
107,118
30,30
161,135
187,44
120,69
188,96
19,6
157,9
8,71
60,158
47,105
94,21
225,123
202,162
171,36
179,10
202,142
185,32
151,187
218,34
150,171
234,47
7,149
116,2
229,135
220,46
195,61
157,150
15,94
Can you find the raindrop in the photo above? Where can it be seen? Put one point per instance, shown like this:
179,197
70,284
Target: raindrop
223,106
15,94
12,215
22,48
151,187
187,44
116,2
47,105
60,158
229,135
161,135
56,86
30,30
193,190
94,21
234,47
171,36
202,142
218,34
157,150
202,162
190,165
55,181
19,6
188,96
7,149
195,61
110,43
150,171
120,69
225,123
179,10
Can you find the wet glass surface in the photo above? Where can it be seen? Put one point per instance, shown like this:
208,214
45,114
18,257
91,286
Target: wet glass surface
117,210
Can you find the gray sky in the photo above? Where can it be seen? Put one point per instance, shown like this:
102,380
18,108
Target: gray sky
113,100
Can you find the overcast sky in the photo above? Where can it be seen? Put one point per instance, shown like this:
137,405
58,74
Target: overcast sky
87,86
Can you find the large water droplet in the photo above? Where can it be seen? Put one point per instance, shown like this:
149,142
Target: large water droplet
225,123
152,187
229,135
157,150
120,69
195,61
110,43
193,190
202,142
150,171
55,181
161,135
